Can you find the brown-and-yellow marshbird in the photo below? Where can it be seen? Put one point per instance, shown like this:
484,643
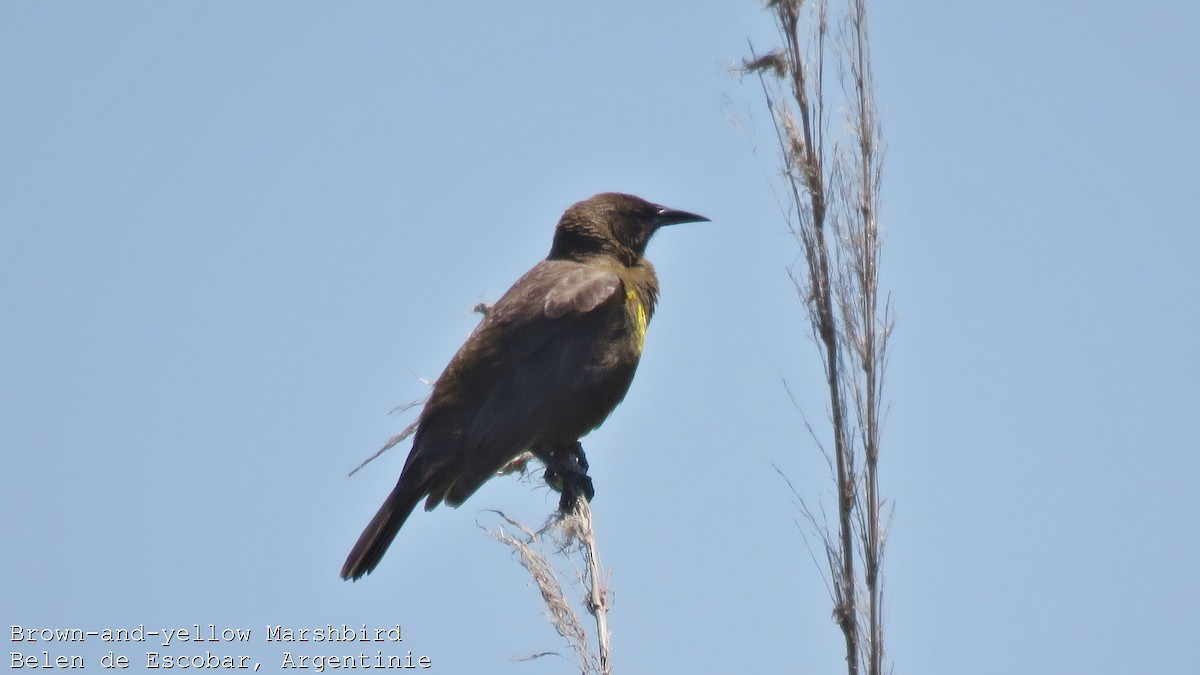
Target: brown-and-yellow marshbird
548,363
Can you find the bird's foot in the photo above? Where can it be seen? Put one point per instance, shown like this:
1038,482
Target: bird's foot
575,487
567,473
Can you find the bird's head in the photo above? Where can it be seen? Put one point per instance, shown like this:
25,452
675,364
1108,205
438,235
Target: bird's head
613,223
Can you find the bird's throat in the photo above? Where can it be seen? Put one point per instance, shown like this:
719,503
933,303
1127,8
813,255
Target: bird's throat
641,319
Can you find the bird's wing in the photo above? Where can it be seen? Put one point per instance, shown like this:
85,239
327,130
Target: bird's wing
545,328
580,291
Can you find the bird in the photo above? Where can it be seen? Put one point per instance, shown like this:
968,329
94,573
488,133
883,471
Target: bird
548,363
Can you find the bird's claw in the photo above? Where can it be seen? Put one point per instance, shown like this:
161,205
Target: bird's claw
567,473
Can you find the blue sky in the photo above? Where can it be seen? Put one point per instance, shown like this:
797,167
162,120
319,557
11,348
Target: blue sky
233,236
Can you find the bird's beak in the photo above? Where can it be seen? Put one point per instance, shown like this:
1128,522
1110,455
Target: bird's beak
667,216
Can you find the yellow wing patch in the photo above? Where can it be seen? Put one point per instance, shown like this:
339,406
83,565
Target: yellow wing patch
640,320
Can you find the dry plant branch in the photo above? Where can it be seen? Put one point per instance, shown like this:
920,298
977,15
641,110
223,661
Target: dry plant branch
394,440
832,183
570,534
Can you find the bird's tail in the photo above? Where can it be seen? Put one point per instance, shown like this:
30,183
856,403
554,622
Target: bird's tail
379,533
